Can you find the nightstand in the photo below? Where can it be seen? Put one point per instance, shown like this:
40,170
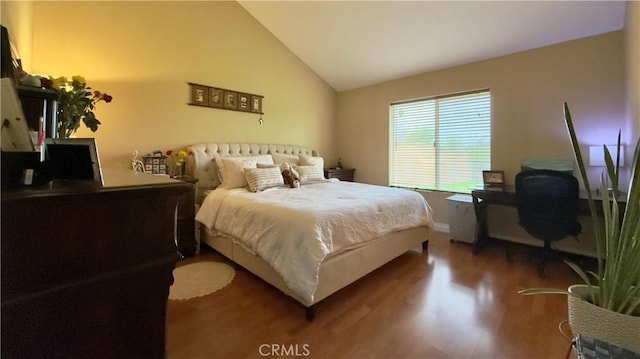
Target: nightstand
343,174
186,228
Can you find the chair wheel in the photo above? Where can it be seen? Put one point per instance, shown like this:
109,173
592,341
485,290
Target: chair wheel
541,272
509,256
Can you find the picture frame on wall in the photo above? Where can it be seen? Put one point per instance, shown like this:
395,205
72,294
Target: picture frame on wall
493,178
244,102
216,97
221,98
231,100
256,104
199,95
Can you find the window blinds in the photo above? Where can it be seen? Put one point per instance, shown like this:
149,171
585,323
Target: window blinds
442,143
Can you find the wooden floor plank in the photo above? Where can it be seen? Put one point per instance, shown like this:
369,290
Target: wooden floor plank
441,303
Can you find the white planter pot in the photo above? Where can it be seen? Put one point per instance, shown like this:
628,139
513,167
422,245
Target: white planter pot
590,320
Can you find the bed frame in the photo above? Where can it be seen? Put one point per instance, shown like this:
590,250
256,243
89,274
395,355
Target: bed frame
336,272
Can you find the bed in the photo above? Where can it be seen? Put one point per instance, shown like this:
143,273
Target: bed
308,242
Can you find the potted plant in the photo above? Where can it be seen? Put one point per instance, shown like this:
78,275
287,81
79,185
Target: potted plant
607,305
178,162
76,103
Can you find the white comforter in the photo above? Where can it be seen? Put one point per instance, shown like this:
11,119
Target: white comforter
295,229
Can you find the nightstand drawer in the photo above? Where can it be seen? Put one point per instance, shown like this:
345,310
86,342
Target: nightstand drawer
344,174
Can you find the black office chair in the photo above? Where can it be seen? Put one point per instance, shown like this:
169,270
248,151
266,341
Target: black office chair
547,203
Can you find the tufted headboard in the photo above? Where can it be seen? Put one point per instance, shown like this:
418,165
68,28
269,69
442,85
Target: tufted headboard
201,162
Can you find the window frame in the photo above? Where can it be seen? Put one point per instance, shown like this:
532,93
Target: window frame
436,170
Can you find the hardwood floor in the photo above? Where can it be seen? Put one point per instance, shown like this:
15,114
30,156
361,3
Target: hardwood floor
441,303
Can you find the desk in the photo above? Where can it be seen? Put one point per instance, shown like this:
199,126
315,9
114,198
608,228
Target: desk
506,196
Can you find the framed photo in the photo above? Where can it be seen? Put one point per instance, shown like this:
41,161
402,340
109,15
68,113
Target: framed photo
216,97
231,100
493,178
199,95
256,104
244,102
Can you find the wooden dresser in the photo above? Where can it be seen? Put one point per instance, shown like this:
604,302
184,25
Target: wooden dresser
86,270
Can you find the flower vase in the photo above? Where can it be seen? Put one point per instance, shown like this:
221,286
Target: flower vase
180,171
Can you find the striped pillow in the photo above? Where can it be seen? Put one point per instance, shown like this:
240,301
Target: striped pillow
260,179
311,161
309,173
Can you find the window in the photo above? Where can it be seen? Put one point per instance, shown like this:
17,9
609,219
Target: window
441,143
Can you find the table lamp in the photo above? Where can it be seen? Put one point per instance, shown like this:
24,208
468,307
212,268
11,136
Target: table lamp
596,155
596,158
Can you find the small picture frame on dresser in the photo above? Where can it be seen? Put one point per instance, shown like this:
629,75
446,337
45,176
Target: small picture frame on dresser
493,178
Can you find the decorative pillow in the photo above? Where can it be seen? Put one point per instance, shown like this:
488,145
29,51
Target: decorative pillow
260,179
232,171
311,161
279,158
263,159
263,165
309,173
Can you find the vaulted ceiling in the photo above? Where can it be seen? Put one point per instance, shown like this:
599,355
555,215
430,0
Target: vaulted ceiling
351,44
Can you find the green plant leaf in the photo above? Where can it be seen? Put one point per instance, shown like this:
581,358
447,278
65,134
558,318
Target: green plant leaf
585,180
534,291
617,239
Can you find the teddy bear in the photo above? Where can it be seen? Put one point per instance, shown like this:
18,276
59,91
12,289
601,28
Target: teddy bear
289,176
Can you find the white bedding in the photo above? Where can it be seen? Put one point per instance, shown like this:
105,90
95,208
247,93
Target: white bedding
294,230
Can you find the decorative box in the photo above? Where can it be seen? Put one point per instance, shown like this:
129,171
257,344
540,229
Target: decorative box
155,164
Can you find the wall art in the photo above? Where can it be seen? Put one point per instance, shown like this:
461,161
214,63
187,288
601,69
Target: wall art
215,97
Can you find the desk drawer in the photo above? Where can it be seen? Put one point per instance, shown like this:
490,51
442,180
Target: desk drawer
462,218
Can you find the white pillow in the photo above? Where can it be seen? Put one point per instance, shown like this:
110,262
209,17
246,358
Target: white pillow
263,159
260,179
262,165
309,173
311,161
232,171
279,158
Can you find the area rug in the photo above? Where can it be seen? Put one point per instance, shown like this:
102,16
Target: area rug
200,278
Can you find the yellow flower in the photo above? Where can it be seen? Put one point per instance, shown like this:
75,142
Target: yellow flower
58,82
182,154
78,78
76,103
